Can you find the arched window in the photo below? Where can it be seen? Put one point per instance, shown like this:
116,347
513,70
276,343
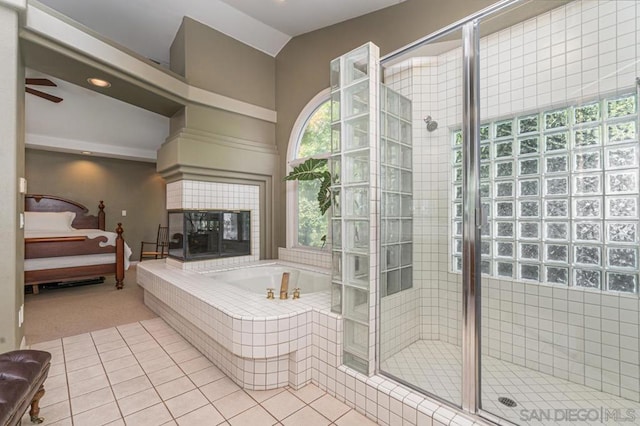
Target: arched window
311,138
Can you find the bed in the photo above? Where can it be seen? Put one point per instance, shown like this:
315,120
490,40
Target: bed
63,243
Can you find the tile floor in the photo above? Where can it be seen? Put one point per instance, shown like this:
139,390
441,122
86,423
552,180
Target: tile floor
145,373
435,366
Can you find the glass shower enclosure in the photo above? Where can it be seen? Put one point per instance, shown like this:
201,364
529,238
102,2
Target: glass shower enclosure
496,266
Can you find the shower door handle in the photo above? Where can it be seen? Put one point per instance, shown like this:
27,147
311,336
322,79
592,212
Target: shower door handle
482,217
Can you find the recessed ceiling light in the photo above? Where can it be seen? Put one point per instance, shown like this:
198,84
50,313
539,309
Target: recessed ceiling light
98,82
87,152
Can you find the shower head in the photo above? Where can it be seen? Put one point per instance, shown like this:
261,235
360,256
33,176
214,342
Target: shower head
431,123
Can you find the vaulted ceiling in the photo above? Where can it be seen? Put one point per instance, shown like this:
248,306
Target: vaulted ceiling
89,121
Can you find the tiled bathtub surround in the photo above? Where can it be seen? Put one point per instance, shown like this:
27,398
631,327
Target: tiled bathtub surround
572,55
306,257
198,195
380,399
260,343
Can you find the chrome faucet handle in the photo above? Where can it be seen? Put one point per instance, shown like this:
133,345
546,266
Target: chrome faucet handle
270,293
296,293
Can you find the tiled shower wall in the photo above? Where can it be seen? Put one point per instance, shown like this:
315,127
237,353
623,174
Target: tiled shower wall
582,51
437,312
199,195
400,312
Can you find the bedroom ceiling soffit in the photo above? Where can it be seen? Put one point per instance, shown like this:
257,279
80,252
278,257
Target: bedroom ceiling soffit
75,68
54,44
89,121
74,146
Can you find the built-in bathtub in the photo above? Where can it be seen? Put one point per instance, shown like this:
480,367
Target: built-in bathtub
260,278
260,343
265,344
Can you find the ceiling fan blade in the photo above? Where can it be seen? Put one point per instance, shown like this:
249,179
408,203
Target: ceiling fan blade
40,82
43,95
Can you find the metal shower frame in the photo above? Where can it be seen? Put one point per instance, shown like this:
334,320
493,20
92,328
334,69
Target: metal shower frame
472,214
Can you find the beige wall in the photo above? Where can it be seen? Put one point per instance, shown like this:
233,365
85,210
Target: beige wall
226,123
123,185
218,63
209,144
302,66
11,168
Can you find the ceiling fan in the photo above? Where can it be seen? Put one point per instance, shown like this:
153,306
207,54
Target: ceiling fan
42,82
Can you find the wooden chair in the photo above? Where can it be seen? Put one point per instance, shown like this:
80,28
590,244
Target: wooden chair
160,245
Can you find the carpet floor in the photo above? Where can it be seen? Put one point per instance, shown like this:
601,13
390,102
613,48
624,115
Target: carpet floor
62,312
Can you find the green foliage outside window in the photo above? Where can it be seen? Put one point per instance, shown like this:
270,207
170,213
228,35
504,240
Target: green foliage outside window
312,225
313,179
316,138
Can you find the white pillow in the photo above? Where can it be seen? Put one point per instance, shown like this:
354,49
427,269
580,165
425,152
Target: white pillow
48,221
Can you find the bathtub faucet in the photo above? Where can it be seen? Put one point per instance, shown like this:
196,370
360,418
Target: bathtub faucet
284,286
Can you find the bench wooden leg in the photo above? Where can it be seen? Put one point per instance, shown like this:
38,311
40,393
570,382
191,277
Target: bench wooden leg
35,406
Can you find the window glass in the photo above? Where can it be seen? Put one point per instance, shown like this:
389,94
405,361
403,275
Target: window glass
315,142
316,138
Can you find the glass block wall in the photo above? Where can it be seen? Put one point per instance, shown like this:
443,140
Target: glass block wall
400,286
560,193
354,167
396,182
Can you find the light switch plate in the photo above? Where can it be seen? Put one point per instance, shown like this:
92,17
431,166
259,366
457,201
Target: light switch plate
23,185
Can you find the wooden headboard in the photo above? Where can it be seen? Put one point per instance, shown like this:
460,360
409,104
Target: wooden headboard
49,203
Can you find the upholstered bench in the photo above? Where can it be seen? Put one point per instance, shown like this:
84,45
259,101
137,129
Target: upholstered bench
22,376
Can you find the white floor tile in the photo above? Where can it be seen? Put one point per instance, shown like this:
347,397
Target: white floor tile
234,404
130,387
329,407
175,387
152,416
97,416
219,389
138,401
186,402
91,400
255,416
307,417
283,404
206,415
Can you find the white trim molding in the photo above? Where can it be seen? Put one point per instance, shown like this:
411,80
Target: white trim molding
73,146
14,4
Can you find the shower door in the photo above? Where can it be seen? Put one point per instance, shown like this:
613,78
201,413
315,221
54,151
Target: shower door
507,161
559,111
420,324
